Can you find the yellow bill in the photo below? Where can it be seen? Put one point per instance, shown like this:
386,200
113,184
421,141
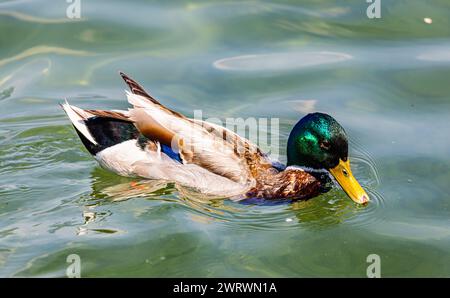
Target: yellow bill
343,174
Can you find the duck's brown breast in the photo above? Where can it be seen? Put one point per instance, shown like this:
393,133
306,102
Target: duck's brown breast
291,183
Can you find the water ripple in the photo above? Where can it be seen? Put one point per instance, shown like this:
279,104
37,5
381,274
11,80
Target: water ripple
280,61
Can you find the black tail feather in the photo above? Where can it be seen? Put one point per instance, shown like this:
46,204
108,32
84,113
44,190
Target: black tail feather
107,132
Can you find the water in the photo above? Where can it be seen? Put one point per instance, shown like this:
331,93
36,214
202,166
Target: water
386,81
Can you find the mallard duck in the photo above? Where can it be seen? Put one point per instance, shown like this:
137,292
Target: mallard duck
152,141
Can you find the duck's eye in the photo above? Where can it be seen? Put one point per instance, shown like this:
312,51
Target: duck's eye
344,171
325,145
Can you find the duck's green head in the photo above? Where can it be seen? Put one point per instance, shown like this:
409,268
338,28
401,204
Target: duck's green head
318,141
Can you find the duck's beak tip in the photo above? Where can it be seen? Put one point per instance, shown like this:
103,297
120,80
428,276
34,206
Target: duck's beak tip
364,200
344,177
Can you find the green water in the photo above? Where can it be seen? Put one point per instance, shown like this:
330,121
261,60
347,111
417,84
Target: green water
385,80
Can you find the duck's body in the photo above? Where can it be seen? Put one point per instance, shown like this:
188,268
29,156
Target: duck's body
154,142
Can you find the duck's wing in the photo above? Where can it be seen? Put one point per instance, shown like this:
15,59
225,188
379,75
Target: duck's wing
118,146
207,145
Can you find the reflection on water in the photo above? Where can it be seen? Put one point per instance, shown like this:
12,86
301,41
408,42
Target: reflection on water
280,61
385,81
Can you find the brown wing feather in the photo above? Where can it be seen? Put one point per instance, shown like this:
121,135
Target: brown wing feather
256,161
245,156
135,88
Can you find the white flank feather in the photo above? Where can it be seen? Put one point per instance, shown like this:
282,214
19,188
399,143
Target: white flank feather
128,159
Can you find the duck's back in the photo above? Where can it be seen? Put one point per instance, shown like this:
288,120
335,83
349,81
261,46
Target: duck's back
155,142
